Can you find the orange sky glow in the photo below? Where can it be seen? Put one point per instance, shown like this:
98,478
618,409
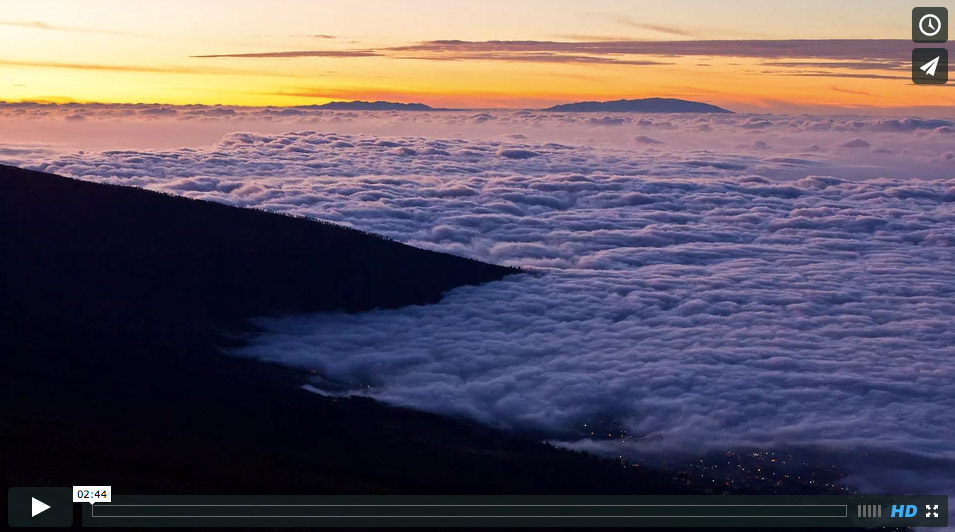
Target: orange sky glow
748,56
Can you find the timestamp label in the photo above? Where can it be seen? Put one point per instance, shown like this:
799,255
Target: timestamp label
92,494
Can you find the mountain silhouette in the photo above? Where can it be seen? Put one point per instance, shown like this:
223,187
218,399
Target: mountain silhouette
645,105
374,106
116,305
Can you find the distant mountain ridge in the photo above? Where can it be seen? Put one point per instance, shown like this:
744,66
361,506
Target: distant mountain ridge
643,105
359,105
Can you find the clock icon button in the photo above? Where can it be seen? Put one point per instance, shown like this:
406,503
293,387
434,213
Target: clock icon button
930,24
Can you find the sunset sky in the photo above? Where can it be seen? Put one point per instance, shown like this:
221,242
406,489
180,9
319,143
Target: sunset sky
768,56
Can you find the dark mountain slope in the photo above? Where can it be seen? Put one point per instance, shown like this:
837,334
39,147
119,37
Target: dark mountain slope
79,246
114,306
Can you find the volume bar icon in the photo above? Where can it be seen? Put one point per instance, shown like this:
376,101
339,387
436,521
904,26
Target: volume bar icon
869,510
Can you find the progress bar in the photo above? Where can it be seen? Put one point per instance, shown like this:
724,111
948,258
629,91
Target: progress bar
471,511
507,511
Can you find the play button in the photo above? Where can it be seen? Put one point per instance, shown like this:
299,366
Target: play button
38,507
46,507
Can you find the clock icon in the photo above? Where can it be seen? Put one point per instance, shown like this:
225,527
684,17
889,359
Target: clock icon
930,25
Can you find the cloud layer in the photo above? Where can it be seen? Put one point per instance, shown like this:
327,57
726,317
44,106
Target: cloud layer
790,285
914,147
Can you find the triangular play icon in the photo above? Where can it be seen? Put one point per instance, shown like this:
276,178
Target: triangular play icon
37,507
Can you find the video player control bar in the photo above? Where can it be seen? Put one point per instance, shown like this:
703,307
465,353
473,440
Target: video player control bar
510,511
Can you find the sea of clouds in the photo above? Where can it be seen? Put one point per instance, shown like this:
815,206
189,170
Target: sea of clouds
696,282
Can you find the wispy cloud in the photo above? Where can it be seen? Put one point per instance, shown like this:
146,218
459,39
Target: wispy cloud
881,64
97,66
591,38
136,68
850,91
434,51
537,57
844,49
854,51
298,53
824,74
38,25
660,28
853,54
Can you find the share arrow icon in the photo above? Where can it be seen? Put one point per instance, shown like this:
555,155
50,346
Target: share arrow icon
929,68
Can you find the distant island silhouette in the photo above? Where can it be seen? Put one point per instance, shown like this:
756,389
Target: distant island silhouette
359,105
644,105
